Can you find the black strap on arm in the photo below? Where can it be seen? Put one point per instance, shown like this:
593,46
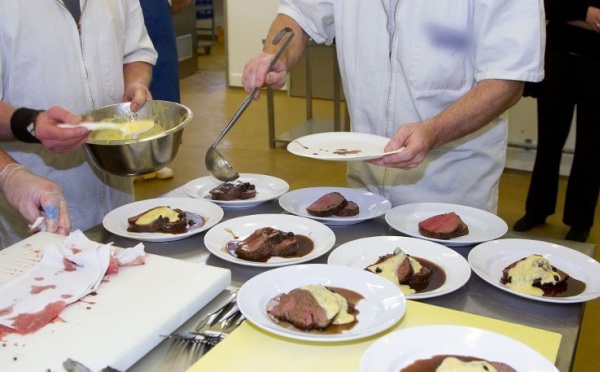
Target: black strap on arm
22,124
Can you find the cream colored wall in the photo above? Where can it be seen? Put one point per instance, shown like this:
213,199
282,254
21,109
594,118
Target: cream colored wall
247,23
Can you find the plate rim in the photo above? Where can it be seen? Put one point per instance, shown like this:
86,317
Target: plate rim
290,146
223,224
236,203
161,237
318,273
455,331
434,245
556,249
334,220
502,225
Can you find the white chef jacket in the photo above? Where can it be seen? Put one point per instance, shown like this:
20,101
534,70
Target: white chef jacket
45,62
405,61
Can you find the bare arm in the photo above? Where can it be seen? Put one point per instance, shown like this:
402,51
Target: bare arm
295,50
5,160
255,71
6,112
592,20
486,101
137,77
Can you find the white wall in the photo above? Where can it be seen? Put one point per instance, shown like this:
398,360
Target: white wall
247,23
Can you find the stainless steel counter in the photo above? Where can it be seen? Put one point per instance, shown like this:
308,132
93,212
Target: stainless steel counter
476,297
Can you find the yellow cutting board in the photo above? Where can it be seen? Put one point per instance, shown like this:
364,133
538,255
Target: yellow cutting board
118,325
250,348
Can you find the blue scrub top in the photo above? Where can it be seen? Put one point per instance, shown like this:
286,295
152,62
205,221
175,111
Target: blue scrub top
160,26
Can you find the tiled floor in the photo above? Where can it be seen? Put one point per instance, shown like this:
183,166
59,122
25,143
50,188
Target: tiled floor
246,148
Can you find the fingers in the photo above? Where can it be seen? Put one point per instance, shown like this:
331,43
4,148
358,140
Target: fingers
57,114
139,98
137,94
51,217
56,213
60,140
256,73
405,159
414,140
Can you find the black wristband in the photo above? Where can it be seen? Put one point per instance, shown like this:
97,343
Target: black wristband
22,124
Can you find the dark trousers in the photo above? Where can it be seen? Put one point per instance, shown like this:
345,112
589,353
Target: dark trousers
570,81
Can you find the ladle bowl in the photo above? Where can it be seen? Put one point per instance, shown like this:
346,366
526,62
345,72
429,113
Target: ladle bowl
218,167
215,163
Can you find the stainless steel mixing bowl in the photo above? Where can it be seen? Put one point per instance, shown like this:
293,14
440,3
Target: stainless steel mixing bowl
148,152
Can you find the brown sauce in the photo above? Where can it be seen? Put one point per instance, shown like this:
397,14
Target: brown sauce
334,329
431,364
570,287
298,142
346,152
305,246
436,280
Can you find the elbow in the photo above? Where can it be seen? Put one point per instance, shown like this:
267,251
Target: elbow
516,89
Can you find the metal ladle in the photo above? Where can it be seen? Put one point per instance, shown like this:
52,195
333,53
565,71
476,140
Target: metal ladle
216,164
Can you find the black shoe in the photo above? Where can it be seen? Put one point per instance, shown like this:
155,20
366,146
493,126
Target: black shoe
528,222
578,235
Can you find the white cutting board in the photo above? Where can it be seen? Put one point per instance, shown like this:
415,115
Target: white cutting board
121,323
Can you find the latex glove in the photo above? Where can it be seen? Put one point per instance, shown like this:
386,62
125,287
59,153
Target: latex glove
34,196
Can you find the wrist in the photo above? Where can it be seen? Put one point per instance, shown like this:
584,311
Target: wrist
7,171
22,124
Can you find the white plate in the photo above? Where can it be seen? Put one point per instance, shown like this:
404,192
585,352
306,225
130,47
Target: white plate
217,238
364,252
267,188
400,349
382,307
340,146
489,259
116,220
370,205
483,225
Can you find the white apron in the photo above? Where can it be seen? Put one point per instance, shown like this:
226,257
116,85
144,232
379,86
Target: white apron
405,61
44,62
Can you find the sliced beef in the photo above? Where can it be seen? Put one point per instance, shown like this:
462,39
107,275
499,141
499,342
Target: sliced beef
257,245
327,205
266,242
233,190
160,224
420,278
350,210
300,308
406,273
502,367
443,226
284,244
